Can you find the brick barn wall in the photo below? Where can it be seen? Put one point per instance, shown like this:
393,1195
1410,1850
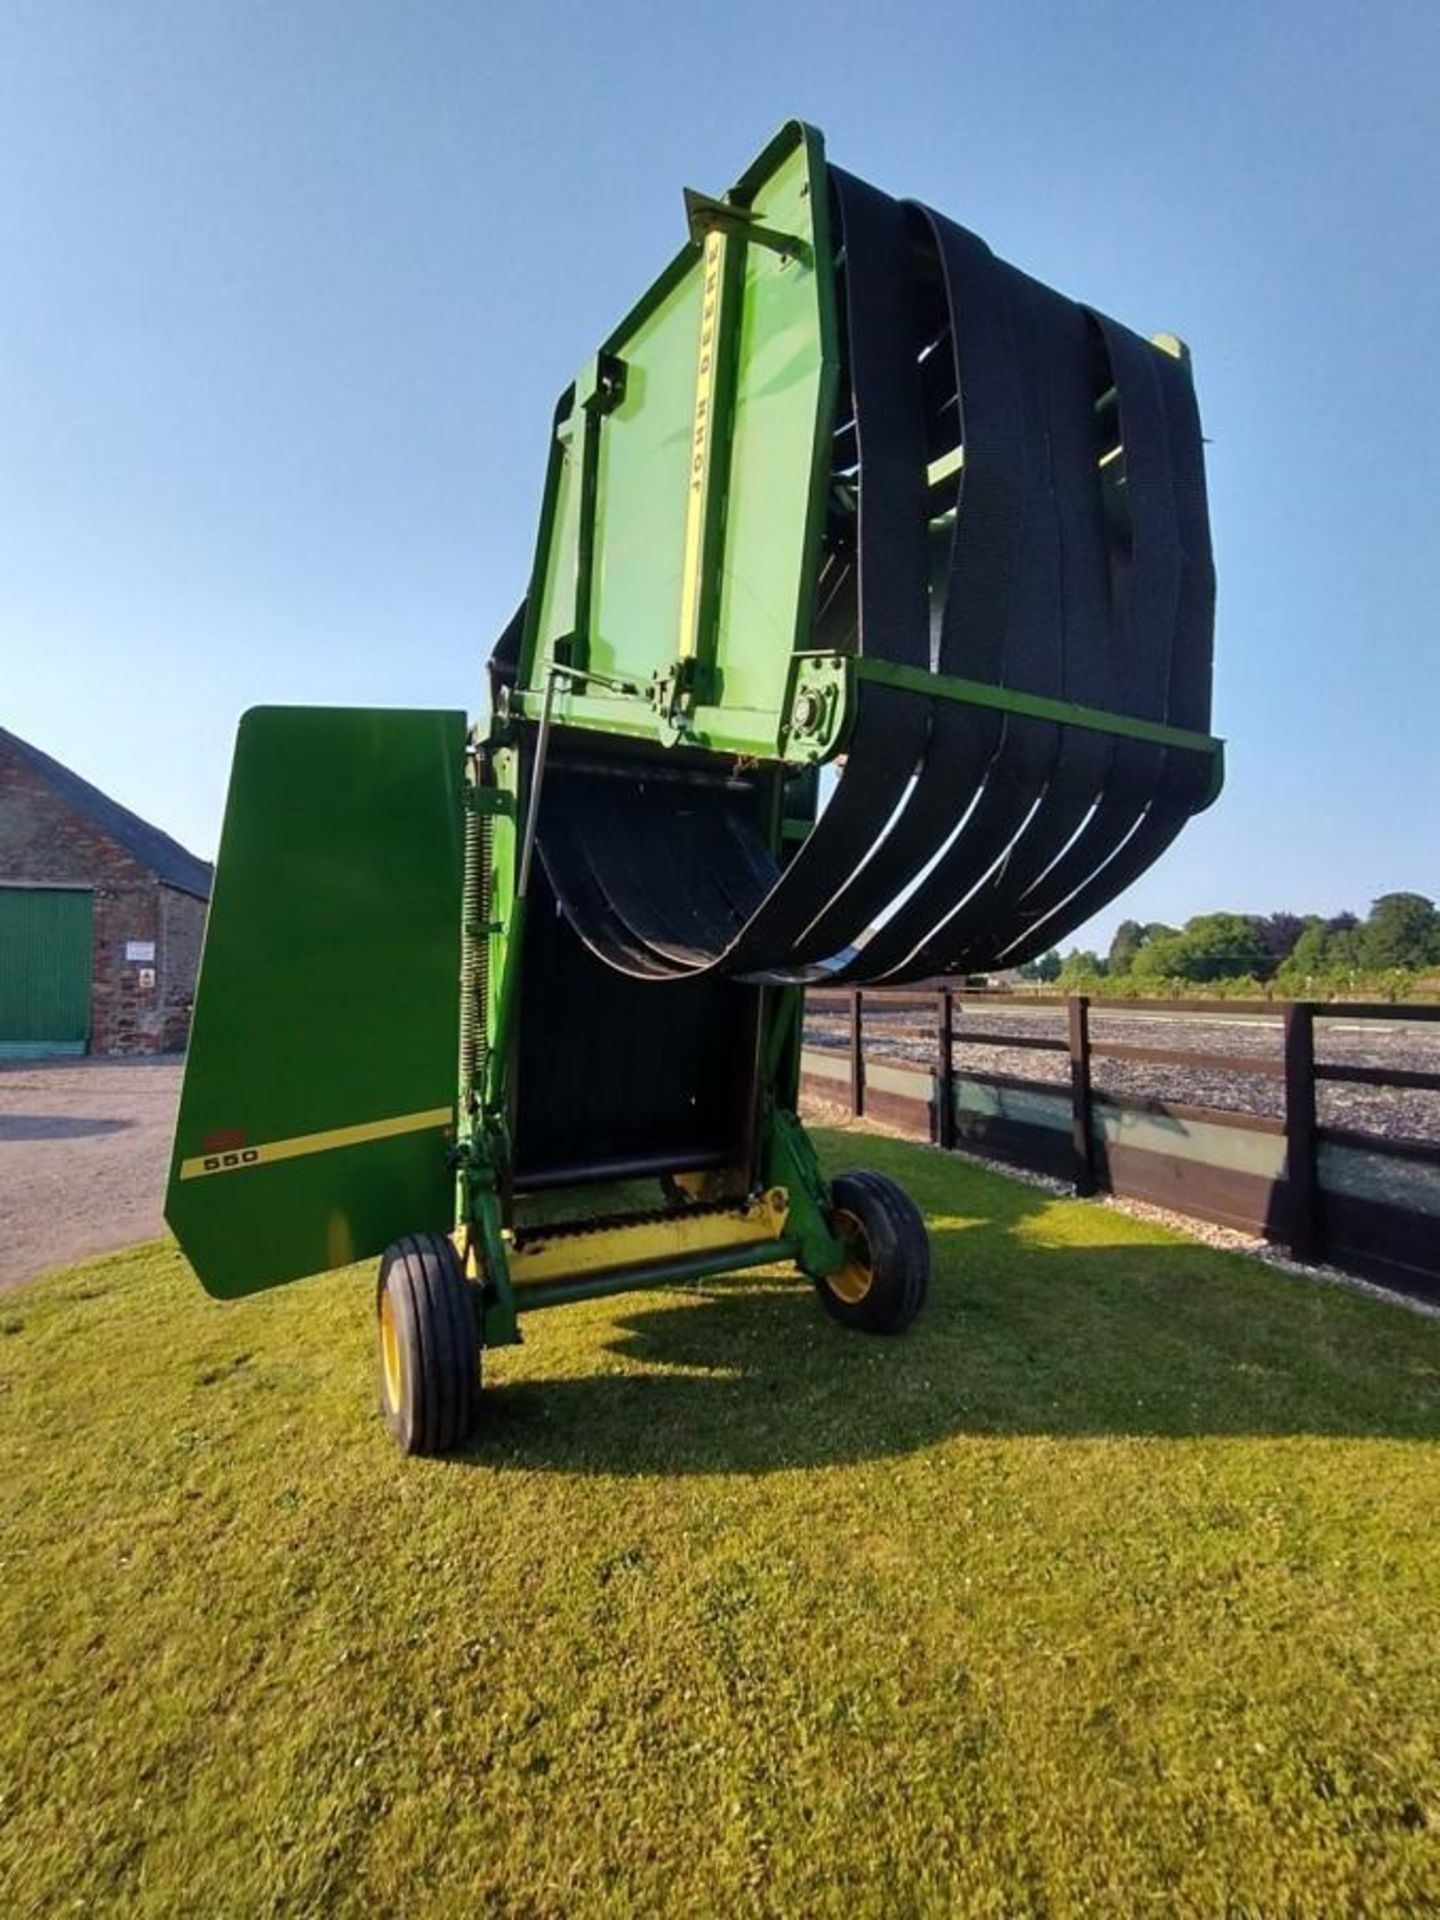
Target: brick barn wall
182,931
44,840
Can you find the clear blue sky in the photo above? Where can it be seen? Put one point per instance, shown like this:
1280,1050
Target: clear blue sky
289,291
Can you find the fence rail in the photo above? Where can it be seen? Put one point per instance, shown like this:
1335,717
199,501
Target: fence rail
1365,1200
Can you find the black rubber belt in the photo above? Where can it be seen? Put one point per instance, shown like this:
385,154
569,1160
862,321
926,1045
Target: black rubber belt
1138,632
1044,477
1002,523
1157,799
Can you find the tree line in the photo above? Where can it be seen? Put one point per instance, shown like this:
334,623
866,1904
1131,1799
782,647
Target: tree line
1393,952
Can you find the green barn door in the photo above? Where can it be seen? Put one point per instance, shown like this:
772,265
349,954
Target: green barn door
46,936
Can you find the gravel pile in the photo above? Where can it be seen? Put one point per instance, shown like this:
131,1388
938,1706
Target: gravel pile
908,1038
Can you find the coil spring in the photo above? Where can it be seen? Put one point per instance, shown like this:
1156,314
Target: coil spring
474,955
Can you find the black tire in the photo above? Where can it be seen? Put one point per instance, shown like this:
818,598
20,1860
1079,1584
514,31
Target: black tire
884,1286
429,1352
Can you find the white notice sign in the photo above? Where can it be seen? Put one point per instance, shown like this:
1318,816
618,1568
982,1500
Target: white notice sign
139,949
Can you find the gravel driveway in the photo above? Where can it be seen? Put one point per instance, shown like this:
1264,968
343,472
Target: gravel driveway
84,1149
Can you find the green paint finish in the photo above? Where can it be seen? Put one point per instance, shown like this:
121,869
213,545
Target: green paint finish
789,1161
46,945
779,464
640,497
768,455
554,578
504,858
976,693
698,1266
328,995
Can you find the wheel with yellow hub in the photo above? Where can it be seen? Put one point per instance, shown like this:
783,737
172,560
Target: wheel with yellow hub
428,1348
886,1275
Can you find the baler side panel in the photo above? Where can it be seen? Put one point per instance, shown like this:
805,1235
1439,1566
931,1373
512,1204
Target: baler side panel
770,454
319,1092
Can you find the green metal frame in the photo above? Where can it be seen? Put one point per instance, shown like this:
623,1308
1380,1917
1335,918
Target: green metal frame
672,600
976,693
733,352
501,791
685,494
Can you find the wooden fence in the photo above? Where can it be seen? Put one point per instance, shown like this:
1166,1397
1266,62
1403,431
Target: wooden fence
1365,1199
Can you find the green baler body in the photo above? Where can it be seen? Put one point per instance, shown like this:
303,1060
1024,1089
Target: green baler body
710,616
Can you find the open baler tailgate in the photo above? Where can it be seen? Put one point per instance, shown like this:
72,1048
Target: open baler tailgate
846,485
320,1087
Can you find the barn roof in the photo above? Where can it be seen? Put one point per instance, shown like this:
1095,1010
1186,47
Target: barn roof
165,858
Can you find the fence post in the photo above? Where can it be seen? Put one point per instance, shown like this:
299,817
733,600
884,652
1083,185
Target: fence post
857,1056
1301,1179
945,1080
1078,1012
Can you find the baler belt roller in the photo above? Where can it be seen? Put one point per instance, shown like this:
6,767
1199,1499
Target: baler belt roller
1076,581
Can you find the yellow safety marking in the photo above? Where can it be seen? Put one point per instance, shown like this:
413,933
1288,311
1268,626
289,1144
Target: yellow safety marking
234,1159
714,260
638,1243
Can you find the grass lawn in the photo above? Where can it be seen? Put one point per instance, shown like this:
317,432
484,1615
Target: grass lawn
1114,1585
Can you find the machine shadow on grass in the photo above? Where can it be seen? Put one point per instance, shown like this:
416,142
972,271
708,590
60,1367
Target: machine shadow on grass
1019,1336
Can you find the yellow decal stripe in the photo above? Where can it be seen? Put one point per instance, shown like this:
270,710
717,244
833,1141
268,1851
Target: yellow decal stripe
235,1159
701,432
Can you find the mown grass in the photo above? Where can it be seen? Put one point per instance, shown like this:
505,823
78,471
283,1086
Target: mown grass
1112,1586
